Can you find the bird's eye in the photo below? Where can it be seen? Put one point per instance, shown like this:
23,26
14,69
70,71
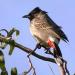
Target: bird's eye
34,12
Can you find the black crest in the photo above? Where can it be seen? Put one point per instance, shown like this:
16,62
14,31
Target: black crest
33,13
35,10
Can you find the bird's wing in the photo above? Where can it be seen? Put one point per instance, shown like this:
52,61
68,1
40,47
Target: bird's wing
57,29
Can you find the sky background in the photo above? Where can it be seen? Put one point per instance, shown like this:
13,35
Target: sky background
61,11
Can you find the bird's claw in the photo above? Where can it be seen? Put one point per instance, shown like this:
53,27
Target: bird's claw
37,46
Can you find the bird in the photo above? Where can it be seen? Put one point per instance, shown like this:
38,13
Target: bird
45,31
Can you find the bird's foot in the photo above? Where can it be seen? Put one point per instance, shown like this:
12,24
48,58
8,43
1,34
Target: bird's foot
47,51
38,46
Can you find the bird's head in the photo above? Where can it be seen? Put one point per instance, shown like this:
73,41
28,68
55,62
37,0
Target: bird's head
34,13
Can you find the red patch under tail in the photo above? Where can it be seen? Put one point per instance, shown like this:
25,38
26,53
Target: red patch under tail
50,43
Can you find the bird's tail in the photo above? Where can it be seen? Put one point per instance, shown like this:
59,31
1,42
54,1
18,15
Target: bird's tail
57,51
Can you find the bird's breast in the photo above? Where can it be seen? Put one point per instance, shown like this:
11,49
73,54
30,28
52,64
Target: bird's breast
41,31
38,32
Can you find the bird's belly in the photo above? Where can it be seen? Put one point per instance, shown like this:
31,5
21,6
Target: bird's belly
39,35
42,36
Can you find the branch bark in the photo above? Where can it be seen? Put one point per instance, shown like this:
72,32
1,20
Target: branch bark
25,49
56,60
60,64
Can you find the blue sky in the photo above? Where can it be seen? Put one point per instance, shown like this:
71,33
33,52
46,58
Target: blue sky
61,11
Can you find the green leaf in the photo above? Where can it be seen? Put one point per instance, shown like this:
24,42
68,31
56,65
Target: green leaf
2,66
11,47
3,45
13,71
4,73
2,61
10,33
1,57
17,32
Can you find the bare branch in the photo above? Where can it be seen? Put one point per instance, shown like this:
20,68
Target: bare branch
25,49
31,67
51,70
65,67
62,65
58,60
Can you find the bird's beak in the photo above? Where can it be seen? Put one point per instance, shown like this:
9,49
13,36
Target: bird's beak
25,16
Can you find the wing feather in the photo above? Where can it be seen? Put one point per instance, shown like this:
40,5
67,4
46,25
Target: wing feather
57,29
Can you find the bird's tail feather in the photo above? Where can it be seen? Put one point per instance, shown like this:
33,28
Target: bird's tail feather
57,51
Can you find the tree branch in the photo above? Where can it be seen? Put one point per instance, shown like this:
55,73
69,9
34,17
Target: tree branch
31,68
58,60
60,66
25,49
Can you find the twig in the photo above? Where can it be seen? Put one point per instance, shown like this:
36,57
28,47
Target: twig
51,70
4,30
65,67
58,60
60,66
31,68
34,73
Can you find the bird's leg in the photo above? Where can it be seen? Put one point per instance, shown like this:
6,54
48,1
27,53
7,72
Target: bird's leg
38,46
47,50
57,51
